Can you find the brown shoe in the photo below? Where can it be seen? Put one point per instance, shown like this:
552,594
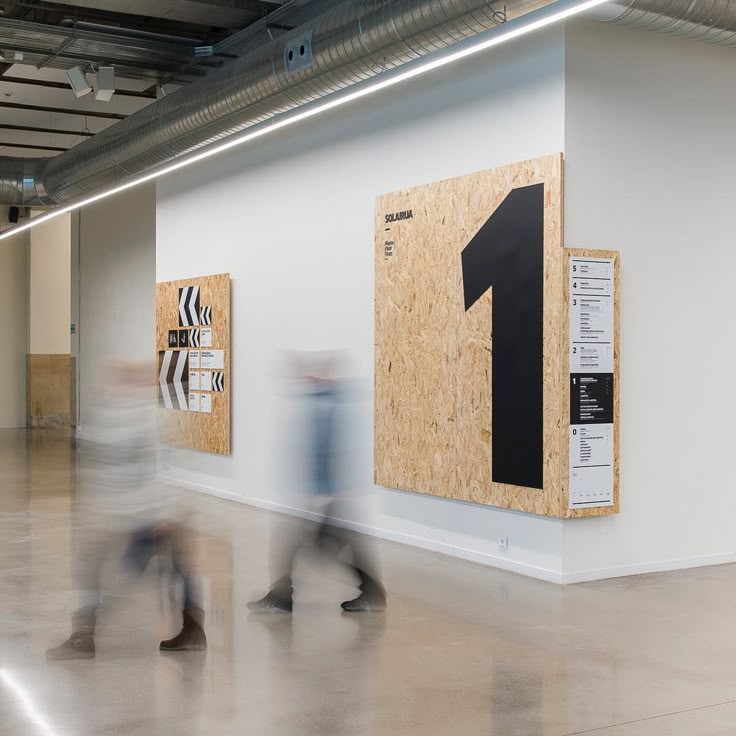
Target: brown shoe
191,637
80,645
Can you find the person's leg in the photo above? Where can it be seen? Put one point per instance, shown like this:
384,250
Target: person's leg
191,636
286,546
91,550
372,593
143,545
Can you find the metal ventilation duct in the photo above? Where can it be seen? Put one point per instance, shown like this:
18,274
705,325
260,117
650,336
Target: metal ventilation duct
350,43
706,20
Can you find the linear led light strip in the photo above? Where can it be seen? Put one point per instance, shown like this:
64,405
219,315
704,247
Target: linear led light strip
521,26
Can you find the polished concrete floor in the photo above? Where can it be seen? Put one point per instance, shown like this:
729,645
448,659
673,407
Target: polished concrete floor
463,650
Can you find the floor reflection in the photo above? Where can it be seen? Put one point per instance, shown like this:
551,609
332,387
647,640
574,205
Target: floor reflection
461,650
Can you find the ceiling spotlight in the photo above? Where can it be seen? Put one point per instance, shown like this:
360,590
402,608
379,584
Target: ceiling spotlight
105,83
78,81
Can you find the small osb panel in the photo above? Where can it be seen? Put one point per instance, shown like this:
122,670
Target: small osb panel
564,436
193,351
50,399
434,359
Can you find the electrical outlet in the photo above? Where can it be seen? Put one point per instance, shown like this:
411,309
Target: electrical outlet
503,544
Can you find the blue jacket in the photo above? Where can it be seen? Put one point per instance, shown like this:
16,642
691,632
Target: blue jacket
324,418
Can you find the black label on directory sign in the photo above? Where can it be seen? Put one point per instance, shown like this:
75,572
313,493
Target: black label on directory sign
591,398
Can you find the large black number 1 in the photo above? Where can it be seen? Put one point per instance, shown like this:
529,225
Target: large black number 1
507,253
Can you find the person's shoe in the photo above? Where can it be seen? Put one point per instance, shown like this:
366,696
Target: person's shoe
191,637
366,602
77,646
271,603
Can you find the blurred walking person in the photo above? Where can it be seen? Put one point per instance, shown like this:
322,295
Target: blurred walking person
328,444
123,509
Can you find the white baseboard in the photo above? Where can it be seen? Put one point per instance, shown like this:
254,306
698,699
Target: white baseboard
622,571
502,563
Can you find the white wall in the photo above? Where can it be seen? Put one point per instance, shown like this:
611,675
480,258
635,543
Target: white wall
646,124
650,160
50,298
291,219
115,289
14,305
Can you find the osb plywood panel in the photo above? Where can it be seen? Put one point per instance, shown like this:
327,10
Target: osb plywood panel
564,436
433,420
193,429
49,389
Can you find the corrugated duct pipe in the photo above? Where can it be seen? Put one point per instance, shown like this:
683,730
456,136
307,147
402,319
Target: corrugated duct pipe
706,20
351,43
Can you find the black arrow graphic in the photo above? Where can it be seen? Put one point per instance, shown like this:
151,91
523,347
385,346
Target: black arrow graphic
507,254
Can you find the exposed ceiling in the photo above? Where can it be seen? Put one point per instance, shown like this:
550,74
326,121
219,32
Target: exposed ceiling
155,46
227,14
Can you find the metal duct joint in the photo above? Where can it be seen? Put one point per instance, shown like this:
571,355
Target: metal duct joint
21,182
352,42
